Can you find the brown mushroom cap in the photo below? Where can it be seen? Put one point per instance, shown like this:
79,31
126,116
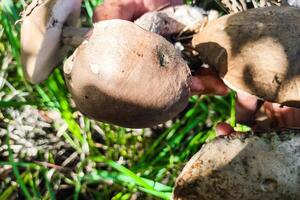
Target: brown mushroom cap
256,51
41,35
243,167
127,76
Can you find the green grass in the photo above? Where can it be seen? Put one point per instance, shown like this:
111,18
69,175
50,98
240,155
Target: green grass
124,163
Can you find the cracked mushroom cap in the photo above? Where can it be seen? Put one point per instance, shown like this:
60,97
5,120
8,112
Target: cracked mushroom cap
248,167
41,30
256,51
127,76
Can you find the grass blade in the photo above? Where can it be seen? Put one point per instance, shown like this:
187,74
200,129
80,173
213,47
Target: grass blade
123,170
16,170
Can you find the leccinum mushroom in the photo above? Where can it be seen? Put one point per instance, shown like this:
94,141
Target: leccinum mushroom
127,76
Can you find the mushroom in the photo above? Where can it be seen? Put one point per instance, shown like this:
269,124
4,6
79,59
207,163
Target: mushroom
121,74
49,30
256,51
44,22
243,166
252,51
125,75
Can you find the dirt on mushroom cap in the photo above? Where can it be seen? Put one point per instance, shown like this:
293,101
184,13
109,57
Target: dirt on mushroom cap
256,51
127,76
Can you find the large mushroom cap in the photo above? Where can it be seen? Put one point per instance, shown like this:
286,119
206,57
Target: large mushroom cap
127,76
41,35
256,51
243,167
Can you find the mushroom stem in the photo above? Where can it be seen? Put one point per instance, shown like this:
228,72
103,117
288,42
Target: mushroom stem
74,36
